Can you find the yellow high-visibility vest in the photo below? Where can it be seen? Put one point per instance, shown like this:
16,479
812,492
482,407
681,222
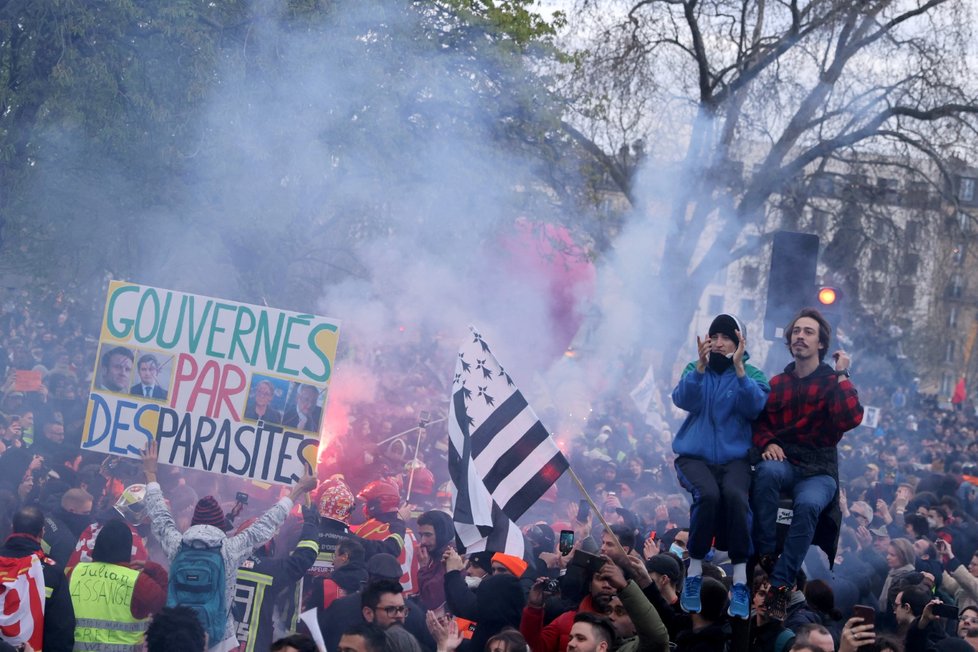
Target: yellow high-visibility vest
102,597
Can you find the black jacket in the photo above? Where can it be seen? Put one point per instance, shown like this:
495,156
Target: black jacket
346,611
712,638
926,639
61,532
497,603
259,583
673,617
59,614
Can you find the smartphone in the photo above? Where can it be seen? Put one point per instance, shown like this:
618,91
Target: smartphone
586,560
241,497
945,611
868,614
566,542
582,510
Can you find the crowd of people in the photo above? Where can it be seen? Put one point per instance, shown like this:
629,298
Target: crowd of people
701,539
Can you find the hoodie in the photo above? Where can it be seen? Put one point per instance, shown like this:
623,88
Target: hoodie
721,408
234,549
431,577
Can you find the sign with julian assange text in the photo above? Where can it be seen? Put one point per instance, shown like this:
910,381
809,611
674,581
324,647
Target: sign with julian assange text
225,387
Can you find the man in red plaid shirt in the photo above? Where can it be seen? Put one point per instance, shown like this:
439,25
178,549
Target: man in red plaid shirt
810,407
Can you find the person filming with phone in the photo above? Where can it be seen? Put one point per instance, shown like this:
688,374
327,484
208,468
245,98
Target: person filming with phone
920,618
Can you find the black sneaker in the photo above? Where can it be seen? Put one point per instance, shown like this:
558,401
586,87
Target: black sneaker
776,604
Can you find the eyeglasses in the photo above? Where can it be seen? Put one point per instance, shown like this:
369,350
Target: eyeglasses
399,610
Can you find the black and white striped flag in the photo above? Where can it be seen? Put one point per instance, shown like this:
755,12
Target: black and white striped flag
501,459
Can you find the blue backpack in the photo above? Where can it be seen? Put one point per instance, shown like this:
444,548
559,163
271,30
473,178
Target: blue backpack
197,581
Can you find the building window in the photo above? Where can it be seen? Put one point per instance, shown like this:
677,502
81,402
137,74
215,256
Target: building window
964,221
966,189
877,262
824,185
947,383
918,193
874,292
956,288
913,230
952,317
911,263
888,189
749,277
949,351
819,219
715,305
905,296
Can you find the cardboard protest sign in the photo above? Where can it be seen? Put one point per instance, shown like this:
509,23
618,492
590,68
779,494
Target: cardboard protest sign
225,387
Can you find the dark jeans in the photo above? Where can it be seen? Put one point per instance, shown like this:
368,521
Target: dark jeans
720,506
810,494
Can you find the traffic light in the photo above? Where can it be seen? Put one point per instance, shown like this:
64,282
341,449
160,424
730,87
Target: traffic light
827,296
794,257
830,302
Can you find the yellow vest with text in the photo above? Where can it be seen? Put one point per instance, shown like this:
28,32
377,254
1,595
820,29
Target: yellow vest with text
102,597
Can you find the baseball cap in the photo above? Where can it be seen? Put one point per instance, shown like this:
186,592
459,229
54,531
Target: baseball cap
665,565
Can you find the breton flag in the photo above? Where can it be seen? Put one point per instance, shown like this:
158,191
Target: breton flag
500,457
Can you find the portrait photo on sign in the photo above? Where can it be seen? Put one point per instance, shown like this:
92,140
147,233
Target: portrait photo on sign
151,377
115,368
266,399
304,407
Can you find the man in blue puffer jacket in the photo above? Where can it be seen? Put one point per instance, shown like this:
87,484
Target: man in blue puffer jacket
723,395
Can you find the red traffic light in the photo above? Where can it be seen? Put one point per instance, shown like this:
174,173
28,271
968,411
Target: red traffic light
827,296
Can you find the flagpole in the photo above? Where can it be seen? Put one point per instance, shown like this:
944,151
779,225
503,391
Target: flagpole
422,424
587,497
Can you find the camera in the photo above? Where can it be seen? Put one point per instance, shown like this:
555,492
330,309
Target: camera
241,497
551,586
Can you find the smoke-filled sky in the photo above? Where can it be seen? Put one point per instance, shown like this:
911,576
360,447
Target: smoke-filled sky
368,121
372,149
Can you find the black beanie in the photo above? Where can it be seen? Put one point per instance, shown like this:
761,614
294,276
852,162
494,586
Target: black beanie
113,544
728,325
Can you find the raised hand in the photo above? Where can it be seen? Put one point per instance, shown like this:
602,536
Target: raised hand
738,356
151,461
703,348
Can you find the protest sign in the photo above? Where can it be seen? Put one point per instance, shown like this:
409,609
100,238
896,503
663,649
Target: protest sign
871,416
27,380
225,387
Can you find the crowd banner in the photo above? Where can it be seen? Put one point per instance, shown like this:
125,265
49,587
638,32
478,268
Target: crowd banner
224,387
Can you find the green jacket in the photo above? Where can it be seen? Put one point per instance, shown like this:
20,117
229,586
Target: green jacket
651,633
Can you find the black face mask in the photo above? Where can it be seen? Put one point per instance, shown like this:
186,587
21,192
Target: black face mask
719,362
